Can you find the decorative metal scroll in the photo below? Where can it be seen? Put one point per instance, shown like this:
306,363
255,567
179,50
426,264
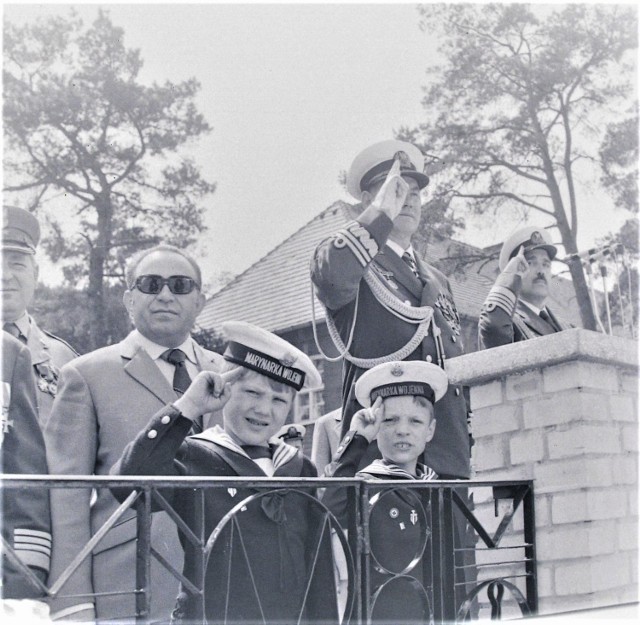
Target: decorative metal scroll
445,576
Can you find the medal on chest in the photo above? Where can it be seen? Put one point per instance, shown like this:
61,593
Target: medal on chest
445,305
47,378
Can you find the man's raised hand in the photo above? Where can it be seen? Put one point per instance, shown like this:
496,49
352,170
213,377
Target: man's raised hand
393,192
518,264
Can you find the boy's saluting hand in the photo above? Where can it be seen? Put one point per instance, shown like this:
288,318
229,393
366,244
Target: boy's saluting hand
366,421
208,392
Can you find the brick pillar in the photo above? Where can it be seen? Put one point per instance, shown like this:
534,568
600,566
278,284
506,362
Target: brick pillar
562,410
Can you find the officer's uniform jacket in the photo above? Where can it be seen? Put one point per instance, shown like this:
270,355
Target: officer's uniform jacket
48,354
338,272
104,399
278,532
26,522
397,525
505,319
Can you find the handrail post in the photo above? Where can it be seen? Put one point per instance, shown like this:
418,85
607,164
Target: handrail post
437,556
201,563
143,557
529,514
365,555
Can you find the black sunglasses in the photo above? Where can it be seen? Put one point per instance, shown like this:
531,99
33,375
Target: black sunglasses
152,285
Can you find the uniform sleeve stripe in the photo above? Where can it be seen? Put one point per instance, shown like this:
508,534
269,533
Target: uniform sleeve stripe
358,244
30,532
33,541
347,240
502,297
32,547
34,558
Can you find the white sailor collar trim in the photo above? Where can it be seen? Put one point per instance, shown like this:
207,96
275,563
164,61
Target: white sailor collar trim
282,454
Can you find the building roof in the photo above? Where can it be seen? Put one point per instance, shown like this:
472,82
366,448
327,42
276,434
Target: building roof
275,292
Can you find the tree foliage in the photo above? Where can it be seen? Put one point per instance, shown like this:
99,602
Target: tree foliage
91,148
62,310
523,109
622,269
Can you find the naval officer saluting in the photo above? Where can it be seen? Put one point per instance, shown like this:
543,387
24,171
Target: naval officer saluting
383,302
516,306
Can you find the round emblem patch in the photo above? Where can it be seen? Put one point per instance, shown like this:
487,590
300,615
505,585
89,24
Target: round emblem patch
393,513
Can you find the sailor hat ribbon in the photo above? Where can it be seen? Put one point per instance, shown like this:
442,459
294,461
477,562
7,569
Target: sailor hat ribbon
270,355
402,378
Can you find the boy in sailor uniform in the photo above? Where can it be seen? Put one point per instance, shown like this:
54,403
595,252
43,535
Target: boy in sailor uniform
261,563
399,414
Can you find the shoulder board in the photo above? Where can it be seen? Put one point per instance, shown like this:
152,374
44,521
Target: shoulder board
57,338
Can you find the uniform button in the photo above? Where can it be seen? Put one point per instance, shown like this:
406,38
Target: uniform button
152,434
457,391
453,338
429,359
165,419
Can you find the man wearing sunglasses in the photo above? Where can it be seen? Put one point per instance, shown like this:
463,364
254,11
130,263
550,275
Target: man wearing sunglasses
105,398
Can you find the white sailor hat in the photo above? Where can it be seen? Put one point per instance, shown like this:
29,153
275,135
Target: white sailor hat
532,238
270,355
20,230
399,378
373,164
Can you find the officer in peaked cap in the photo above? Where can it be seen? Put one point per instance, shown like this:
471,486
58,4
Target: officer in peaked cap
372,165
516,307
20,237
383,301
290,562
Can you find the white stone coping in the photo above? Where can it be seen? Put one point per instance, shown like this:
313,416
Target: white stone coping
570,345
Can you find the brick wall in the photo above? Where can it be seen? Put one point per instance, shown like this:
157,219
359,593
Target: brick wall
562,410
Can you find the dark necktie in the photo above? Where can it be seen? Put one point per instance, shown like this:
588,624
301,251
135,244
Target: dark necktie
544,315
181,379
256,451
14,331
408,258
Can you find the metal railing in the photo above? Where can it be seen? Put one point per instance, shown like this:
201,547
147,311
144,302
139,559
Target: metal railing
474,555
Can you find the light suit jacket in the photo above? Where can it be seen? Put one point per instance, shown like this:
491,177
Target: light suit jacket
104,399
326,436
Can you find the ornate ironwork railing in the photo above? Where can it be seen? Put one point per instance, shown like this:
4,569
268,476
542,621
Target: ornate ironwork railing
449,551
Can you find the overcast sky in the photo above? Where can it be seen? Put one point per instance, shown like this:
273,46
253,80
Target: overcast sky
292,92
